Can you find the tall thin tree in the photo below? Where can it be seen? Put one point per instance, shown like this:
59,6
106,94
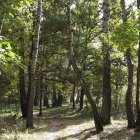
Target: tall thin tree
97,120
22,90
138,79
128,98
32,69
106,106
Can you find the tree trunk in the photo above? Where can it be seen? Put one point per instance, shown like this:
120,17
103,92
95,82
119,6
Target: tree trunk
22,91
128,101
22,84
1,22
128,98
46,100
54,99
116,97
138,82
98,124
41,97
32,69
78,97
36,99
73,97
60,99
81,99
106,106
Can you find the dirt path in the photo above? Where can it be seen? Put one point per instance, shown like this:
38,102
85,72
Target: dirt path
64,124
54,129
84,131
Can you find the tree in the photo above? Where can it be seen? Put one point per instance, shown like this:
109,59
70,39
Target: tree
22,88
106,106
32,69
97,120
128,98
81,99
54,97
138,80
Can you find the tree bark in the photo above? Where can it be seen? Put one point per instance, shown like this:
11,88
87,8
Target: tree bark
128,98
22,89
22,82
54,99
36,99
1,27
78,97
73,97
81,99
1,22
97,120
46,100
41,96
106,106
60,99
32,69
138,81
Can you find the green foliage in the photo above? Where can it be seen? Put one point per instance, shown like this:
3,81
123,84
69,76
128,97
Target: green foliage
125,35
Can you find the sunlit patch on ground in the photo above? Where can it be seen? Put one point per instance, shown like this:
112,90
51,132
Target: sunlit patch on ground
64,124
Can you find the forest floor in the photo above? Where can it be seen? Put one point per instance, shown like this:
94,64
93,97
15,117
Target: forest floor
63,123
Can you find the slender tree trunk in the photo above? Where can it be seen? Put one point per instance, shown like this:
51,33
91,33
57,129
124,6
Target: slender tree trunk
40,107
22,90
116,97
78,97
32,69
36,99
138,81
106,106
128,98
1,22
54,99
41,97
60,99
73,97
22,84
46,100
97,120
0,27
81,99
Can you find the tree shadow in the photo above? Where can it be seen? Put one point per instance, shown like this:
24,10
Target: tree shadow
57,119
77,135
56,123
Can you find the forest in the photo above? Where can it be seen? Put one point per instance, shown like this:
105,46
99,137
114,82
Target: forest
70,69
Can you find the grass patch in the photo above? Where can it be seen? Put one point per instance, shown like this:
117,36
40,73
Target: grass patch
61,123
